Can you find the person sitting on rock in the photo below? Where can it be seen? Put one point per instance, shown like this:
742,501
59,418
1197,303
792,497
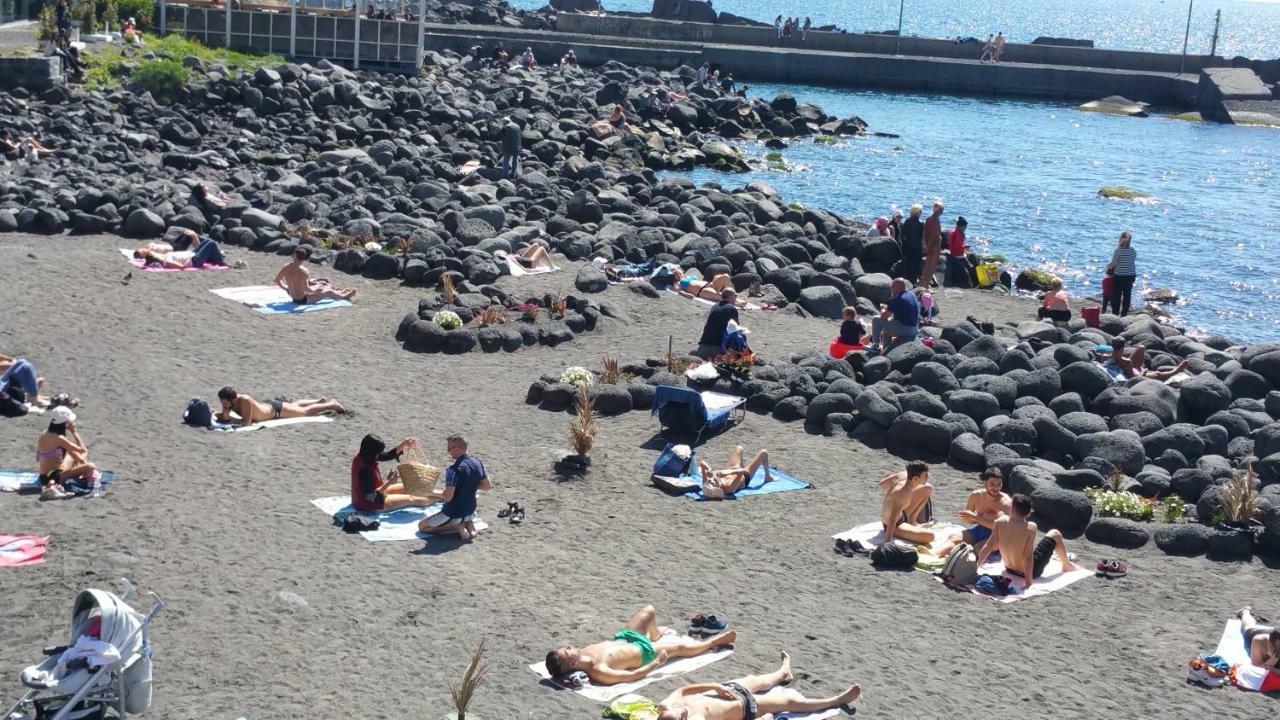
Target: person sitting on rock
618,117
129,32
25,146
905,507
295,279
1123,368
500,55
210,200
747,698
980,512
237,406
634,651
899,321
928,306
1014,536
533,255
569,58
527,60
1054,304
720,484
1262,640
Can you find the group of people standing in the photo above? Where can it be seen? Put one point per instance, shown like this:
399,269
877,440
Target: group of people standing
993,48
786,27
921,243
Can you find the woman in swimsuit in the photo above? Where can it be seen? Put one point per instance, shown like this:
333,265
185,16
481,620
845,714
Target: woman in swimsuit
690,285
719,484
58,458
238,406
533,255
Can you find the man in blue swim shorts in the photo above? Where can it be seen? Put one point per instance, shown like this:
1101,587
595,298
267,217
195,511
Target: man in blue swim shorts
980,512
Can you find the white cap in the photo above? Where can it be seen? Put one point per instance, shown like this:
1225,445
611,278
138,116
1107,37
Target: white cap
62,415
684,452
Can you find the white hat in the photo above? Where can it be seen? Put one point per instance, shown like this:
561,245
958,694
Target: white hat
62,415
684,452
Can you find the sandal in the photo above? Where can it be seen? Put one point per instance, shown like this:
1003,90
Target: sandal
517,517
64,399
844,547
511,510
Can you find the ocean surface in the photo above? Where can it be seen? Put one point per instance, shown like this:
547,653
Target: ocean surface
1249,27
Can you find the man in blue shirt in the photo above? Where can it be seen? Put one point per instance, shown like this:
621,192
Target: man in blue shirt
462,480
899,321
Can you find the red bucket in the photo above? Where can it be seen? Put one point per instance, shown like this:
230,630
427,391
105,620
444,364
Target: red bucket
1090,313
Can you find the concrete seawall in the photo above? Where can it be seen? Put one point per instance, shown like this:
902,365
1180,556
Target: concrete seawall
755,63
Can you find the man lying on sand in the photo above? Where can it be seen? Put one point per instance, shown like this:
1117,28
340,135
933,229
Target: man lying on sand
295,279
905,496
635,651
749,698
1015,537
980,512
719,484
242,407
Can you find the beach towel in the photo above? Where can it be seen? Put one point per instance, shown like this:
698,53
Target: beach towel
176,255
1244,674
29,481
271,300
518,270
18,550
394,525
231,427
779,481
708,301
1052,579
605,693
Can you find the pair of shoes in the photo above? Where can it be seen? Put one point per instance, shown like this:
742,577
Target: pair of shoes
511,510
54,492
1111,569
706,625
873,351
845,547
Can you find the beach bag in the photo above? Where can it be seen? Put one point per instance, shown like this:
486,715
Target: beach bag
988,274
198,414
996,585
417,475
1208,671
961,567
631,707
674,461
893,555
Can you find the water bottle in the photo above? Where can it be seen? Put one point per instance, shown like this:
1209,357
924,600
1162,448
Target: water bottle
97,485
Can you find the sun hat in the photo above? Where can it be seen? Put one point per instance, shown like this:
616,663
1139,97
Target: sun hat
62,415
684,452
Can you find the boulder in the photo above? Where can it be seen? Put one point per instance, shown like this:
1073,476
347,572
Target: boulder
1121,448
1004,389
1267,440
1022,432
424,336
917,433
1082,423
611,399
1117,532
381,266
143,223
1203,396
558,396
906,356
790,409
1190,483
591,279
1229,544
1052,437
876,287
1247,384
822,301
1067,510
1181,437
961,334
764,399
825,404
984,346
876,408
968,367
934,377
922,402
1067,403
1085,378
1185,539
977,405
1079,479
1143,423
1043,384
967,450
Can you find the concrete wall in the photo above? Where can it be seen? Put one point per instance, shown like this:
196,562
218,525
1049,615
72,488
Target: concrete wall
33,73
877,44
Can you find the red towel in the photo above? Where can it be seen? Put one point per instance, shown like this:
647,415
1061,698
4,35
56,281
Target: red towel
22,550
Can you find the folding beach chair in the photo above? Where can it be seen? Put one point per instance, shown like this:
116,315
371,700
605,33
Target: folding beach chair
683,410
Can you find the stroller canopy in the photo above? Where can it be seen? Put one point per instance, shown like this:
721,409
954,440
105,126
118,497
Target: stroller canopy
117,621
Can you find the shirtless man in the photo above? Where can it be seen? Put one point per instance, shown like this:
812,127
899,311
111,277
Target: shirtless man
719,484
1015,537
1133,366
980,512
1262,639
905,496
634,652
932,246
238,406
749,698
296,280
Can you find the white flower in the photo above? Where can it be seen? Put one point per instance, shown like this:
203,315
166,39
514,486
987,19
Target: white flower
576,376
448,320
372,246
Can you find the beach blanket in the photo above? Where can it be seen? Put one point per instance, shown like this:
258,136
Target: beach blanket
779,481
271,300
18,550
395,525
176,255
605,693
29,481
518,270
231,427
1052,579
708,301
1244,674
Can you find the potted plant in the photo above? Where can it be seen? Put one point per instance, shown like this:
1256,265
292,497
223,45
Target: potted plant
582,434
464,691
1238,503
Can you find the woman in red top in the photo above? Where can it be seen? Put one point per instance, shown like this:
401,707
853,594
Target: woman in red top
957,263
368,491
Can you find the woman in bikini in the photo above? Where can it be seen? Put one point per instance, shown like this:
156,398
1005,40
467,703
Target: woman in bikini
242,407
533,255
691,285
60,458
719,484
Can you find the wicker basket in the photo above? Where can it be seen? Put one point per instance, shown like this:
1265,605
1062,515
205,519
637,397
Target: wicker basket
418,477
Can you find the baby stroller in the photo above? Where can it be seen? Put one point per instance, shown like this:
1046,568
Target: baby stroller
106,666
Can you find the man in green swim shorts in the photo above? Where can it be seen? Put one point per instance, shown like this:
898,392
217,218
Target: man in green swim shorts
635,651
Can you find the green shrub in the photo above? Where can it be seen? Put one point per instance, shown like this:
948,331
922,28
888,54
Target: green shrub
139,10
162,78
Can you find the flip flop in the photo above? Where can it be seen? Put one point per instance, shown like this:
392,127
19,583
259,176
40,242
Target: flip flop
511,510
517,517
843,547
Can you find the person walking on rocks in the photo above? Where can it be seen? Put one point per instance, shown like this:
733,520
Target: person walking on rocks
512,139
932,245
1124,271
911,239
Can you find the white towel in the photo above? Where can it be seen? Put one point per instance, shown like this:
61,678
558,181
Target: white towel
518,270
226,427
605,693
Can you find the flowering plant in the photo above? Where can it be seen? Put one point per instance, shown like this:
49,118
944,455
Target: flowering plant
737,363
576,376
529,312
448,320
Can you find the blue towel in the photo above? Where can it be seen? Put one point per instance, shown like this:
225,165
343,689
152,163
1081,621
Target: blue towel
778,482
29,481
291,308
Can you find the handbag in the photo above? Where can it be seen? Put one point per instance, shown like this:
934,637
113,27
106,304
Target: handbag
417,475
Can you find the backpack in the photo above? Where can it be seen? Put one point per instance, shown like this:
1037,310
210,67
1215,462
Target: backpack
198,414
1210,671
961,567
670,464
894,555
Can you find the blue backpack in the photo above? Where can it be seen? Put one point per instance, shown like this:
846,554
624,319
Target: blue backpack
198,414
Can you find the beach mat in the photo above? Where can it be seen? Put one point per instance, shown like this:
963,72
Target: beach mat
271,300
231,427
18,550
1231,647
177,255
779,481
29,481
518,270
396,525
605,693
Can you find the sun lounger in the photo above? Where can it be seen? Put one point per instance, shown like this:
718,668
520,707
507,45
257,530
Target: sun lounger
29,481
401,524
18,550
684,410
271,300
605,693
177,255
